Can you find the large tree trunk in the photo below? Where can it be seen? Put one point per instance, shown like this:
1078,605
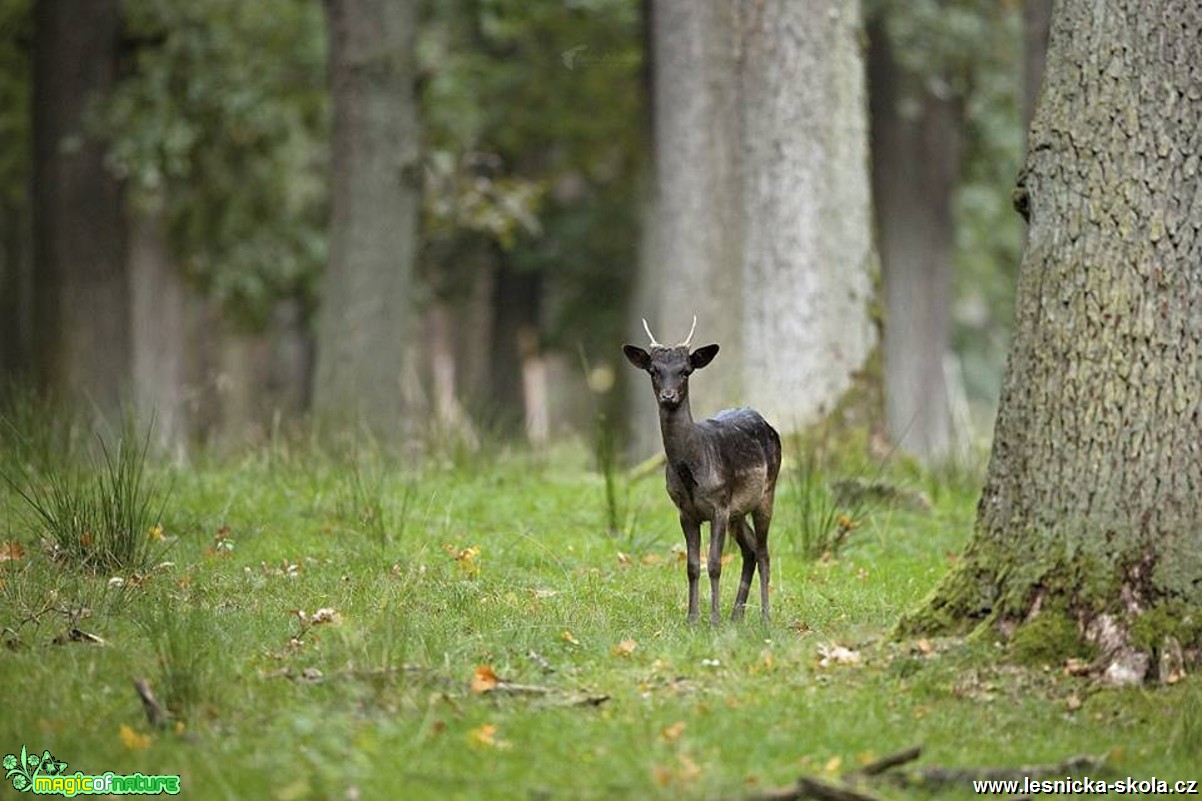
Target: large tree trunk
81,285
762,219
368,321
1092,507
691,259
916,145
807,251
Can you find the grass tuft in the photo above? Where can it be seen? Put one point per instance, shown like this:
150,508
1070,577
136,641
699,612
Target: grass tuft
99,518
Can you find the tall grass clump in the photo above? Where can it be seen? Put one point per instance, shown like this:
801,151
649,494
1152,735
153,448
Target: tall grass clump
187,643
823,520
362,504
606,450
100,517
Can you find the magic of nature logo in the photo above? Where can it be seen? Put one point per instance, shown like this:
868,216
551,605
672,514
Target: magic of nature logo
47,775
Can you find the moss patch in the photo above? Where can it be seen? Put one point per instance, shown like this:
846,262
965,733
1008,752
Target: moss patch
1048,639
1169,619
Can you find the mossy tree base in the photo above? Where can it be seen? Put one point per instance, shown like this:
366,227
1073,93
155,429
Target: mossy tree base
1092,507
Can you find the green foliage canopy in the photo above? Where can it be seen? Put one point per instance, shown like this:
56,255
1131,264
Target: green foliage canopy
220,126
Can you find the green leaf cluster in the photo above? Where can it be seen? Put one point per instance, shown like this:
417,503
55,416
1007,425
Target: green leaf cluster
219,126
534,132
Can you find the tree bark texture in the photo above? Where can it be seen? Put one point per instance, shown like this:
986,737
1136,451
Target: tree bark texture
916,147
367,321
81,301
761,221
1093,499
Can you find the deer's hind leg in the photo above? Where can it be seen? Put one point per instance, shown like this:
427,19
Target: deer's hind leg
762,517
746,541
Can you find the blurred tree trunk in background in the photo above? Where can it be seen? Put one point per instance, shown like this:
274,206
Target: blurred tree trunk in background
917,127
1092,506
1037,17
15,303
691,259
160,351
808,260
81,285
367,320
761,224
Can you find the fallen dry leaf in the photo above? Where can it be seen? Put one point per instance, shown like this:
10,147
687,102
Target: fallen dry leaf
11,551
924,647
1076,667
568,637
624,648
484,680
837,655
133,740
673,732
1073,702
465,558
485,736
326,615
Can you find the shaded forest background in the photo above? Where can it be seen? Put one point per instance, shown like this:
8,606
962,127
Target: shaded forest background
199,206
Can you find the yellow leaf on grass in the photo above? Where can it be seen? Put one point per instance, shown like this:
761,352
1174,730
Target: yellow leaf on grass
465,558
832,765
569,638
673,732
134,740
156,533
485,736
11,551
484,679
624,648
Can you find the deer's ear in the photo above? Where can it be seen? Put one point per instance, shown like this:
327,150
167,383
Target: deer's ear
637,356
703,356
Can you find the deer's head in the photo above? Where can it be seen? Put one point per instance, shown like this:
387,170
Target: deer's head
669,366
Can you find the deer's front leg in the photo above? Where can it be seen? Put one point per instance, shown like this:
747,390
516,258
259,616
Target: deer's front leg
692,543
714,563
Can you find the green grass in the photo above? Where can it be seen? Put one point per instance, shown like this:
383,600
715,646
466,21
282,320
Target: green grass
268,703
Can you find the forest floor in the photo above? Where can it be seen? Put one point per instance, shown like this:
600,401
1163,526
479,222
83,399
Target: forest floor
345,628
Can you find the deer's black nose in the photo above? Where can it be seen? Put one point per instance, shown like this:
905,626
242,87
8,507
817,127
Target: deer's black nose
669,397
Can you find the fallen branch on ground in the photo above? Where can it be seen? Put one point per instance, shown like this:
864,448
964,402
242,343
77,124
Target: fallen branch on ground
156,714
847,788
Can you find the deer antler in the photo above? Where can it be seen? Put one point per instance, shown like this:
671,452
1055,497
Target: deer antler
650,335
689,338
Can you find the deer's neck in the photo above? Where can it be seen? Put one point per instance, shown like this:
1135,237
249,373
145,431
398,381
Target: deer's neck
679,433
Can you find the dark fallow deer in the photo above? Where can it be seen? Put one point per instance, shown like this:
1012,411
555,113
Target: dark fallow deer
719,471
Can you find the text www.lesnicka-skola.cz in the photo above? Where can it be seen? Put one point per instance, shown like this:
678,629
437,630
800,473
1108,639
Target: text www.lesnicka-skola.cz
1085,786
